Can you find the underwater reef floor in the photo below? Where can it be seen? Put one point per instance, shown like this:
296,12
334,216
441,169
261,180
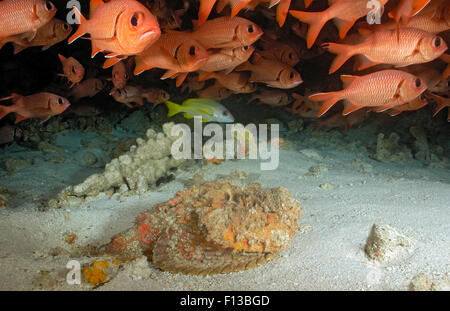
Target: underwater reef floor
343,185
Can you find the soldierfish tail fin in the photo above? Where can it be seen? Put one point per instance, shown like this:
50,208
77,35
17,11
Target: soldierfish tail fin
237,6
344,53
441,103
446,73
5,110
173,108
308,3
18,48
328,99
81,31
205,9
282,11
316,21
14,97
203,76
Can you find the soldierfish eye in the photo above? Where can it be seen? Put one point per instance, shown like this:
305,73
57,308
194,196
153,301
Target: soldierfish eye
251,29
136,18
292,75
192,51
437,42
291,56
246,48
49,6
65,26
119,92
418,83
60,101
134,21
74,70
126,76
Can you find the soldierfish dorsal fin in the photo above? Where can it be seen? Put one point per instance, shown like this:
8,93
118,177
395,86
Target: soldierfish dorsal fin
94,6
62,59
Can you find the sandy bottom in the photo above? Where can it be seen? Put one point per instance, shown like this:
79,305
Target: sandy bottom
341,201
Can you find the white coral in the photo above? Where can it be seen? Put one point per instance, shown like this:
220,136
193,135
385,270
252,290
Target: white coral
136,170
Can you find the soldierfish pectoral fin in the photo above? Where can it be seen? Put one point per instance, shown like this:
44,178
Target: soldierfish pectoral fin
181,78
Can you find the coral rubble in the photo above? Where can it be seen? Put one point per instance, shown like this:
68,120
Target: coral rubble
214,228
132,173
386,244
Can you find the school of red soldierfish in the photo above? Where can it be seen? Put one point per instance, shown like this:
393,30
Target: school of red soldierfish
403,61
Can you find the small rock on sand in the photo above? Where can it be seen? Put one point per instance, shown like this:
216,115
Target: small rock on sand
421,282
386,244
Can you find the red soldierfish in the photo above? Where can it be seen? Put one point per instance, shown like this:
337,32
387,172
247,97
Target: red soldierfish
48,35
227,59
384,89
272,73
120,27
132,94
413,46
173,51
73,70
226,33
238,82
24,16
41,106
87,88
216,92
273,98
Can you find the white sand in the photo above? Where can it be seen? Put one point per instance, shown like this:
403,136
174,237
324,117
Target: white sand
326,254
